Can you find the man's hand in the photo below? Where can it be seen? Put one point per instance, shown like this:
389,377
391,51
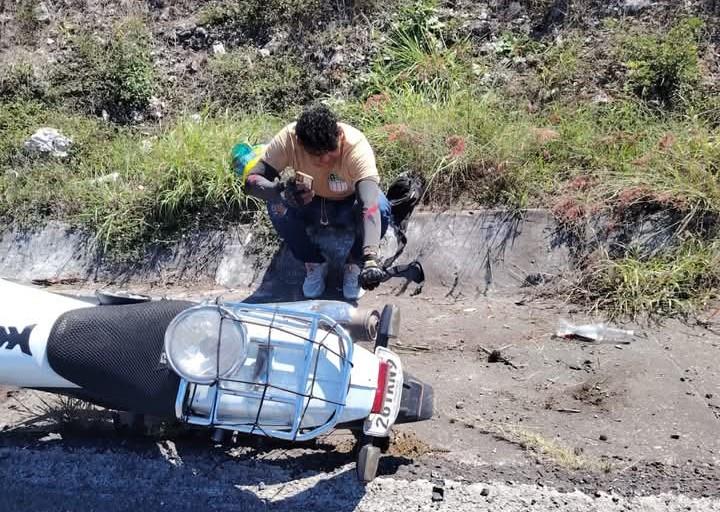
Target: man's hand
371,274
296,195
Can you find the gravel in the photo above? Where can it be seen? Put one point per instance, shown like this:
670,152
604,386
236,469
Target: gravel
39,478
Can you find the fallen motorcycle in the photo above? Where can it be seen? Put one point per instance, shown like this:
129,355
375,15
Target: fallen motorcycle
291,371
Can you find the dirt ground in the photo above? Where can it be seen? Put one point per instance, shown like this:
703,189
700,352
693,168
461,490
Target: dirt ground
631,419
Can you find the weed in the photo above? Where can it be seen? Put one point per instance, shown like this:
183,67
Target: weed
559,65
252,83
20,81
71,413
679,282
551,450
27,18
254,21
416,57
660,67
115,74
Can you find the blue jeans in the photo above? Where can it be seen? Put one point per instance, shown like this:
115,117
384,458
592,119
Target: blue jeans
291,224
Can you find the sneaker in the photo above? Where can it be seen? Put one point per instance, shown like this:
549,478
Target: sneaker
351,283
314,284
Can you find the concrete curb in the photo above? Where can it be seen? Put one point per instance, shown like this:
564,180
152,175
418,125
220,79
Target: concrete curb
464,252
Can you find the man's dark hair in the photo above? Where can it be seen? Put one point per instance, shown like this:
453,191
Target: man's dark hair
317,129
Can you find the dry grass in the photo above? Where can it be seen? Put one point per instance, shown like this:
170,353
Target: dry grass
70,413
550,450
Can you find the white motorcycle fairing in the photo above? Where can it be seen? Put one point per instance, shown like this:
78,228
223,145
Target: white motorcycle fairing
27,316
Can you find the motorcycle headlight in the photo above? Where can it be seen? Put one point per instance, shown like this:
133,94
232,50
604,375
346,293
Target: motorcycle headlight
205,343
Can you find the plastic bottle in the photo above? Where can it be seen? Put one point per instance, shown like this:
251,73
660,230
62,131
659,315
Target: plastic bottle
593,332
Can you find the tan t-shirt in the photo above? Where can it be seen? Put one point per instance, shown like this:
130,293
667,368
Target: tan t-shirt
356,162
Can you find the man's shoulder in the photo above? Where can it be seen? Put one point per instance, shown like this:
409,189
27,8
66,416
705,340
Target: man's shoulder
353,136
285,138
288,130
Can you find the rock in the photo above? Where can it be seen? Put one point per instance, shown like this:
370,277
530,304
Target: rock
50,437
603,437
601,98
264,52
708,396
193,66
480,30
42,13
156,107
183,34
218,49
513,10
539,278
460,405
635,6
49,141
674,436
196,118
485,492
337,59
108,178
261,486
201,33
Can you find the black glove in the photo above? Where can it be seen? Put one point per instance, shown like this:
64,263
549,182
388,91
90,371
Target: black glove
290,194
372,273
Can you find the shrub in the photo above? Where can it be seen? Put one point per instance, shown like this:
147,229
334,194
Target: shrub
255,20
115,75
20,82
661,66
241,82
27,19
676,283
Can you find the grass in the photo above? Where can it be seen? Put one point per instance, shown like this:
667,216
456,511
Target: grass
680,281
472,149
253,83
70,413
550,450
167,182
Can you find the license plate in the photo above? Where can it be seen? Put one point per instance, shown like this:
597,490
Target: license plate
379,424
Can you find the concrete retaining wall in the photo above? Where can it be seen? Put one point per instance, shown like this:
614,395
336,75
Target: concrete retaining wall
470,252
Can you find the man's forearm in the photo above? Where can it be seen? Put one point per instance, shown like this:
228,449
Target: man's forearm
368,192
261,182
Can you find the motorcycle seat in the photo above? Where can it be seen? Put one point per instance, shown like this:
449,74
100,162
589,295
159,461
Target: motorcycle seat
116,355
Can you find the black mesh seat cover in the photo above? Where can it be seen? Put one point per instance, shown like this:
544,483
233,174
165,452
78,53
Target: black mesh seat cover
115,354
